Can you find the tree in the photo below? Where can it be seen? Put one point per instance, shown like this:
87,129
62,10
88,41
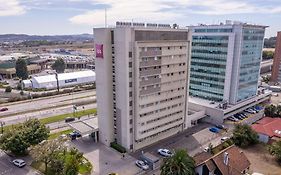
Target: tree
266,55
59,65
179,164
21,69
34,131
19,138
270,110
13,141
275,149
244,135
50,152
75,158
8,89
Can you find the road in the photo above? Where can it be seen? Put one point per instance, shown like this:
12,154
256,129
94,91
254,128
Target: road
45,103
19,118
7,168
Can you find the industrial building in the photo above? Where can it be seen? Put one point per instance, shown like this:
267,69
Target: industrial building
225,61
276,70
62,80
142,83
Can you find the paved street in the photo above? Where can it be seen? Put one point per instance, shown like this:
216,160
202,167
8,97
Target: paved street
48,102
44,114
7,168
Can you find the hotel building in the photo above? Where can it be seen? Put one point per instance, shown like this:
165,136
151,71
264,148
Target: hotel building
142,82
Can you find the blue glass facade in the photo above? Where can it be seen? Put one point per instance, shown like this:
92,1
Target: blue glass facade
252,45
208,64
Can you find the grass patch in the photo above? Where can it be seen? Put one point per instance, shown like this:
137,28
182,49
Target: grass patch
61,117
57,134
84,168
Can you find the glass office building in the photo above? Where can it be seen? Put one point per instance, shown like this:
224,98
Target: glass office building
225,61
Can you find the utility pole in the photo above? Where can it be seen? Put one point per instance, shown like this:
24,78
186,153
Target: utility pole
58,87
2,126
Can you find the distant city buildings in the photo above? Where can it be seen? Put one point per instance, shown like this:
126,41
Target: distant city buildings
142,83
225,63
276,69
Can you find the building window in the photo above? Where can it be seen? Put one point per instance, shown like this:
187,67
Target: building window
130,64
130,84
130,93
131,121
168,48
130,74
131,130
131,112
131,146
131,103
130,54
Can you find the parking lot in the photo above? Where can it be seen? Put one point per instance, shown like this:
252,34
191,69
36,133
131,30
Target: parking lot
7,168
105,160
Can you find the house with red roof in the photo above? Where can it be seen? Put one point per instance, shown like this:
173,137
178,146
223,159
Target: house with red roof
268,129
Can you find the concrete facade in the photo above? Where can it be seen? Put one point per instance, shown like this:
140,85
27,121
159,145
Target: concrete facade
142,83
276,70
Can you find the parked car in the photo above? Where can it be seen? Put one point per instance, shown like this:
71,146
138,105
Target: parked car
238,117
69,119
142,165
214,129
223,139
232,118
221,126
206,149
3,109
165,152
74,134
19,163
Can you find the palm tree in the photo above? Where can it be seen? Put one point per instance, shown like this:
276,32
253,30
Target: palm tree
179,164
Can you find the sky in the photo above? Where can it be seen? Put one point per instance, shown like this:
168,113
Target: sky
57,17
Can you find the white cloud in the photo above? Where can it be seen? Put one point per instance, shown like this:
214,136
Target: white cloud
165,10
11,8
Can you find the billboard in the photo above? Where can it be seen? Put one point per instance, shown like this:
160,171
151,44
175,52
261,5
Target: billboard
99,50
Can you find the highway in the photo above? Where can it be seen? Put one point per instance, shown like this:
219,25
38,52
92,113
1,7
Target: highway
47,107
46,103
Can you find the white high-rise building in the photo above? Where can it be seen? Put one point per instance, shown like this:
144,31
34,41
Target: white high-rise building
142,83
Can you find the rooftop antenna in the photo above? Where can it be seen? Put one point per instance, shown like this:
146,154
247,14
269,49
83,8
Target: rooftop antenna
105,18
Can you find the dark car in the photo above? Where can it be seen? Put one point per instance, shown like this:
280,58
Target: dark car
3,109
69,119
73,135
220,126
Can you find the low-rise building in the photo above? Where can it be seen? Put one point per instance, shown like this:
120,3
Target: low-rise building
62,80
268,129
229,161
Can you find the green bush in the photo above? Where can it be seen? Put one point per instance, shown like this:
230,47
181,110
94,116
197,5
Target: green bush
8,89
117,147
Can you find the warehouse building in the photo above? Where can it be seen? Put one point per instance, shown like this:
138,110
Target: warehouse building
63,80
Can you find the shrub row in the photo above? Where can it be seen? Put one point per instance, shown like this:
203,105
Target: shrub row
117,147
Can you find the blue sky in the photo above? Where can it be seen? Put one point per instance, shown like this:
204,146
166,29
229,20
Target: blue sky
49,17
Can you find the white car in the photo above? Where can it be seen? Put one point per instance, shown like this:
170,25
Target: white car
207,149
19,163
223,139
142,165
165,152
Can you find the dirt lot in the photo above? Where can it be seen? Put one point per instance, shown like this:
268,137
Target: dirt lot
262,161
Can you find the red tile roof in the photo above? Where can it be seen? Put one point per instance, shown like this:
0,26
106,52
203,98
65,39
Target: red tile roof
268,126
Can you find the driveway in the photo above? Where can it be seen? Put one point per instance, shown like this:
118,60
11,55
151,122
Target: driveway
7,168
105,160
